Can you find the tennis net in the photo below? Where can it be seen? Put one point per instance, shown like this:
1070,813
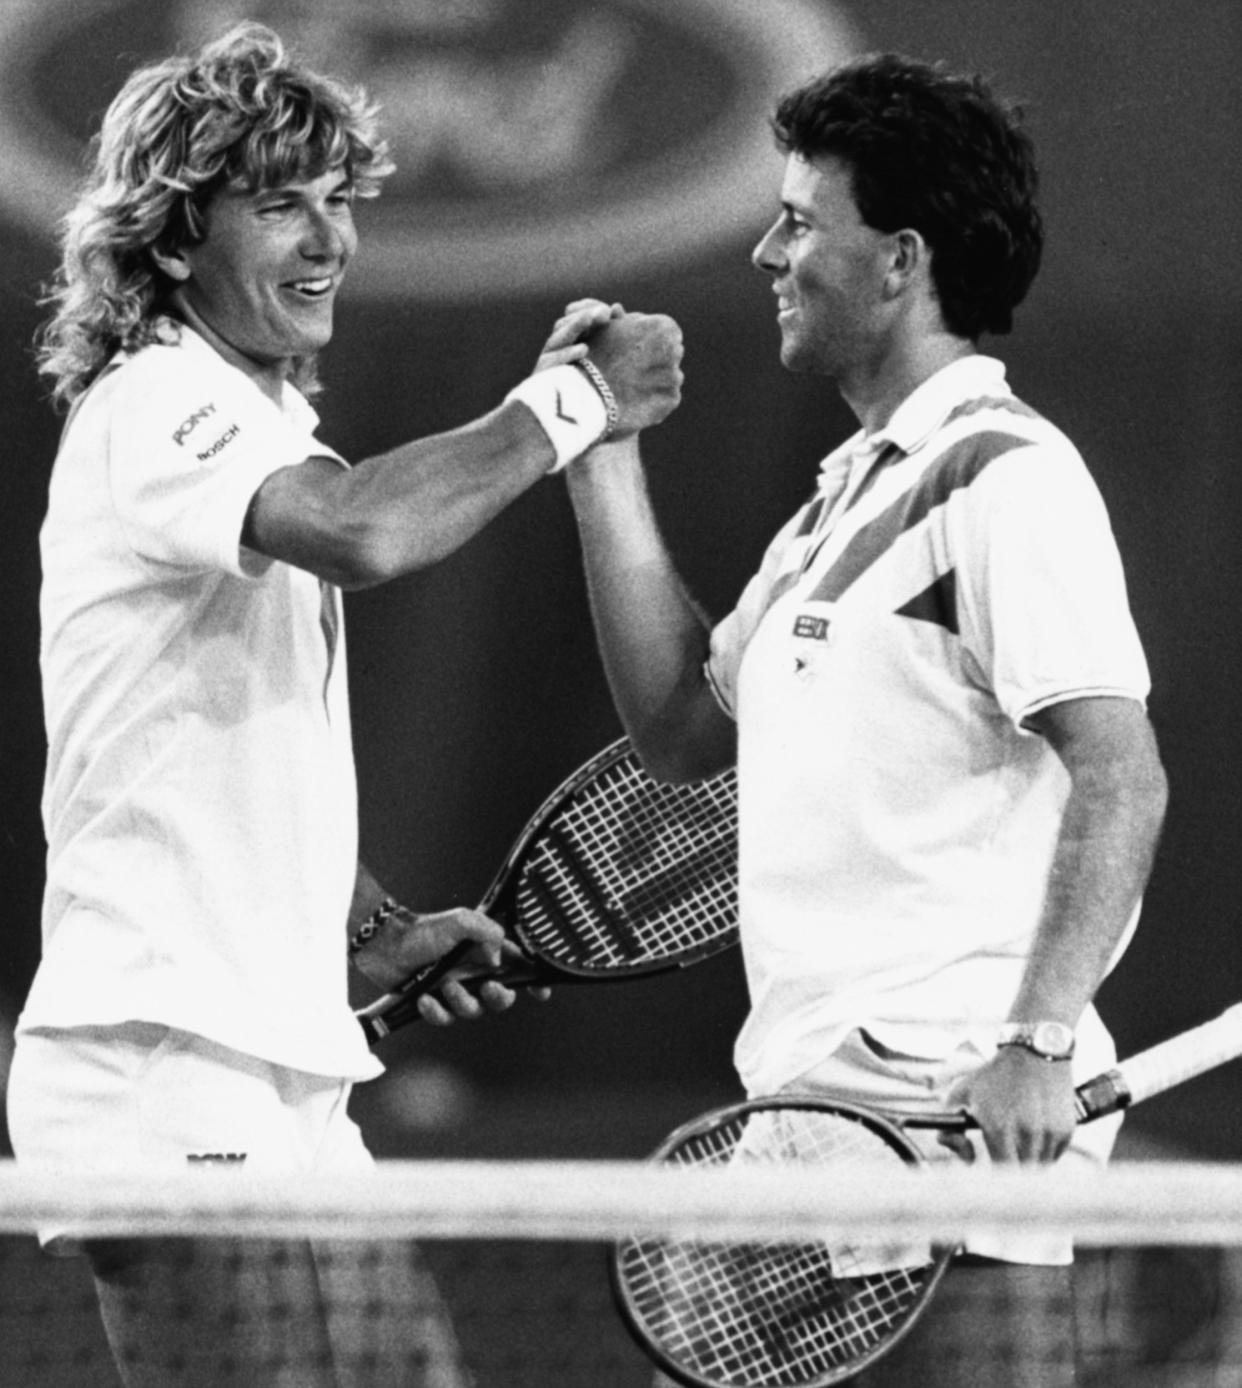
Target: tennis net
493,1274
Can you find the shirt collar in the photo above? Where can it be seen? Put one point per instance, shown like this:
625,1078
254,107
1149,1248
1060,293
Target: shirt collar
293,404
927,407
918,416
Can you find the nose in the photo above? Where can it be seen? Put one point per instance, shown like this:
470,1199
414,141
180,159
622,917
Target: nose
328,235
767,255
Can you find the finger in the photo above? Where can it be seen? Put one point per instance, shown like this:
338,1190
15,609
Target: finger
563,356
495,997
459,1000
474,925
959,1144
574,325
433,1012
591,306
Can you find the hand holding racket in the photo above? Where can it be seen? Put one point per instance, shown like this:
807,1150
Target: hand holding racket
815,1313
616,876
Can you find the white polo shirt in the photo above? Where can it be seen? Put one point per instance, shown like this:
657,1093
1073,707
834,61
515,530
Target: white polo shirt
953,575
200,803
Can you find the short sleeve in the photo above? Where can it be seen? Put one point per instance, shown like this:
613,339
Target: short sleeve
1046,615
188,449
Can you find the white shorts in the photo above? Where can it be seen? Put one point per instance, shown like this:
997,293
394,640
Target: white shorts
145,1097
864,1071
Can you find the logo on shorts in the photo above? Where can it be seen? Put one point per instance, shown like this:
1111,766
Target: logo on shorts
216,1158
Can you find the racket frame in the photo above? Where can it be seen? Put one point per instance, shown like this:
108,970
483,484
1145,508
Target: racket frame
1141,1076
888,1127
385,1014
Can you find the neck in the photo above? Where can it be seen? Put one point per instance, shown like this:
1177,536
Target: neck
270,376
875,391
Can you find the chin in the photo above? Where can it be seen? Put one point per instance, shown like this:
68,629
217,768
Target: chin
794,358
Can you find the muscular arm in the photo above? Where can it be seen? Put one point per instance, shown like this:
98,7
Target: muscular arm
412,506
653,638
1103,857
402,510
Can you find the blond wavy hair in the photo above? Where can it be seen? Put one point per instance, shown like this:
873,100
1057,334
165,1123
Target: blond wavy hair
239,112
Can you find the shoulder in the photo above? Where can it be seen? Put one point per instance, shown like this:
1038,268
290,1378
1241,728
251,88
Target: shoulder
993,439
179,392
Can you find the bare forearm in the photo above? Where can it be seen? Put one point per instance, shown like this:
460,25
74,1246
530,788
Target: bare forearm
653,637
402,510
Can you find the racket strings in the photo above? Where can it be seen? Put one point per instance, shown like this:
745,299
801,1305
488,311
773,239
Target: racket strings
778,1312
632,872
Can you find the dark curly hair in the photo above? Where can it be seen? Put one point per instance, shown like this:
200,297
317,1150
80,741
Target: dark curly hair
937,152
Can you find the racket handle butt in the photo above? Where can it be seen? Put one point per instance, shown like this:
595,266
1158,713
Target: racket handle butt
1105,1094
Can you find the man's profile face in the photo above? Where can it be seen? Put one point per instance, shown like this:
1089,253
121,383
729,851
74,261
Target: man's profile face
827,267
263,283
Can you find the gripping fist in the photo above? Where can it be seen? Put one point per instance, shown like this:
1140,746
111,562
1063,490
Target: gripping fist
640,355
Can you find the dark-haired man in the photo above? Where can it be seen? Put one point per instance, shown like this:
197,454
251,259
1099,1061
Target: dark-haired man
933,687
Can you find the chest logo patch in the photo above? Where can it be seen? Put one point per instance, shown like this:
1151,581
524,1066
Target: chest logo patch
811,628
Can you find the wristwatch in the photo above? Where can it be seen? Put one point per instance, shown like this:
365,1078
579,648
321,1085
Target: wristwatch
1051,1040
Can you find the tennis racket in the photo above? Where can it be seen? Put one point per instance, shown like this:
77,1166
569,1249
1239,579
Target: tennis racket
806,1315
616,876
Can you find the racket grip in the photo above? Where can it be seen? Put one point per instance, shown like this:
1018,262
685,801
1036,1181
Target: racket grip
1162,1066
1183,1057
394,1010
1102,1095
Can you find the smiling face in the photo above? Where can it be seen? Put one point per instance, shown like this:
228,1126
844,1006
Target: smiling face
828,270
261,286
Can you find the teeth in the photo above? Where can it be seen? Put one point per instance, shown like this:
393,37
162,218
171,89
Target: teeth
313,286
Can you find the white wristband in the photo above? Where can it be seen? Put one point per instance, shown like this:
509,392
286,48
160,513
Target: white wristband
570,409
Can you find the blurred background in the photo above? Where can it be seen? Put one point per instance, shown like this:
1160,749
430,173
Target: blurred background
553,148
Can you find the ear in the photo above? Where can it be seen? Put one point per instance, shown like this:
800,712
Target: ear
172,263
909,258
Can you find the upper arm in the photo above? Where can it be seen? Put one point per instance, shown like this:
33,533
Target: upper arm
297,515
1106,742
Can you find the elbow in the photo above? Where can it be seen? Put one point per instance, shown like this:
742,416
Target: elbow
1156,790
366,552
683,757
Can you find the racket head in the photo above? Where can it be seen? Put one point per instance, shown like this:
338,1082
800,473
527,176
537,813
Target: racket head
618,875
803,1313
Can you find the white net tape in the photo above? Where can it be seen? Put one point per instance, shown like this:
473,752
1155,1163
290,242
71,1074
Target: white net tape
1129,1203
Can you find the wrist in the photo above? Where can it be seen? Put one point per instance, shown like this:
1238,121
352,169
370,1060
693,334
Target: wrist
373,924
1049,1040
571,409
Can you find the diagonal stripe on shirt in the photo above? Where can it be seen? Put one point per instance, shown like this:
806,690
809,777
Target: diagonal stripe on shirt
956,468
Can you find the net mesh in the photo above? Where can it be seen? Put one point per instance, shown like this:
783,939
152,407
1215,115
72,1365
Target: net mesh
494,1274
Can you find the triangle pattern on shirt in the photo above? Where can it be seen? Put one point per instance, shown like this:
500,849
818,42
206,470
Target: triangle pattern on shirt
936,603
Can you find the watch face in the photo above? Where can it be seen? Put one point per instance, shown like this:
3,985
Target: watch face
1053,1038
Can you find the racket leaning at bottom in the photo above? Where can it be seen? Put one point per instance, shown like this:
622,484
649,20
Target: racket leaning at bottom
812,1314
616,876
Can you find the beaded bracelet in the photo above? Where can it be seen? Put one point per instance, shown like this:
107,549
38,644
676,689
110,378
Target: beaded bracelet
386,909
